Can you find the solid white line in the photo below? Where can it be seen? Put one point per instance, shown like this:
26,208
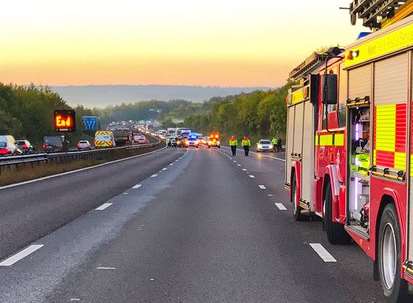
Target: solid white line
154,175
20,255
137,186
105,268
104,206
262,186
251,176
79,170
323,253
280,206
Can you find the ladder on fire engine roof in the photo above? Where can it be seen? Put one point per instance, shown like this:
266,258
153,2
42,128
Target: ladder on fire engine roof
315,60
306,67
380,13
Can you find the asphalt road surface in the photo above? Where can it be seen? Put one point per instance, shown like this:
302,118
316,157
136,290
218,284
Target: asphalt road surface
188,227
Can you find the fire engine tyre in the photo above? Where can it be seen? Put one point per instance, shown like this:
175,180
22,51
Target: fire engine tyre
395,289
296,208
336,233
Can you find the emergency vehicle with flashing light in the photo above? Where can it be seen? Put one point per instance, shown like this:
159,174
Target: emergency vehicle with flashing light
213,140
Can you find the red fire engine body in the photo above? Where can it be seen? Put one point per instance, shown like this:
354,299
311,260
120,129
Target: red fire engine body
349,142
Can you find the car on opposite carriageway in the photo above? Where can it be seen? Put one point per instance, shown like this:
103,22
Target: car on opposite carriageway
264,145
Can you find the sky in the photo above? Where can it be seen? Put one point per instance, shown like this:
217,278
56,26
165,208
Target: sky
197,42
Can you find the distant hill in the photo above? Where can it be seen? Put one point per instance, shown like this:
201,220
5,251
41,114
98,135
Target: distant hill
104,95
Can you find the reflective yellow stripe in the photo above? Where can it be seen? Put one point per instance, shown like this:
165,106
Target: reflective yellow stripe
400,161
339,140
299,95
374,157
316,138
386,127
326,140
393,41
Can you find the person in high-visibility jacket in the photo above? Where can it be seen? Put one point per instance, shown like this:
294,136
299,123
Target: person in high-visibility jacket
233,144
274,144
246,144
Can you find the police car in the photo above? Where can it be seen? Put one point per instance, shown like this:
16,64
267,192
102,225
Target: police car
192,141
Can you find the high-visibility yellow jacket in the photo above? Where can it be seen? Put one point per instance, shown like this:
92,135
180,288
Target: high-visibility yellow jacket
274,141
246,142
233,142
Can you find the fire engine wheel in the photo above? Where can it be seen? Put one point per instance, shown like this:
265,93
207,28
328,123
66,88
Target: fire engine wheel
335,231
296,208
395,289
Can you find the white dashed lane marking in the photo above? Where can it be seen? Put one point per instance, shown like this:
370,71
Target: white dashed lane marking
154,175
105,268
244,169
323,253
280,206
163,169
252,176
104,206
262,186
137,186
20,255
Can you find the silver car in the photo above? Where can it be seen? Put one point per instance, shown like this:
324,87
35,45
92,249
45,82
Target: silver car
264,145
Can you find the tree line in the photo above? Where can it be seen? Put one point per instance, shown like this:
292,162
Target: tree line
27,112
260,114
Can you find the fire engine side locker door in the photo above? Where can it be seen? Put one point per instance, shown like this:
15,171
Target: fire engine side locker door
290,142
298,130
308,153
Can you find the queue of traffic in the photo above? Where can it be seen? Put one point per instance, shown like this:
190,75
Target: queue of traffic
9,146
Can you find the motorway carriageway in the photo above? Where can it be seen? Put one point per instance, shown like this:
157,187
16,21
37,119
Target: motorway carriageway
170,226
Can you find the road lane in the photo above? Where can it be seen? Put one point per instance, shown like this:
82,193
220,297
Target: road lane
203,231
30,211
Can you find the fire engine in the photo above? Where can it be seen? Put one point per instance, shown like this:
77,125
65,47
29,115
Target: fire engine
349,142
213,140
